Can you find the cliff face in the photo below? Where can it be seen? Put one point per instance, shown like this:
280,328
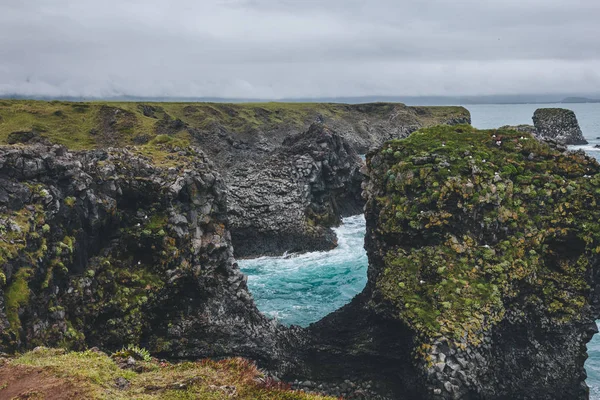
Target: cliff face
486,246
483,271
558,124
277,205
290,201
223,130
109,248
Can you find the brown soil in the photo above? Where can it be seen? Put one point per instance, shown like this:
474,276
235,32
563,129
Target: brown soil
25,383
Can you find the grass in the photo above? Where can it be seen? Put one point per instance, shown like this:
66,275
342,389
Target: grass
16,296
473,222
101,124
210,380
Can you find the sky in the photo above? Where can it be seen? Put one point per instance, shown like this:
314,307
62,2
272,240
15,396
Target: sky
298,48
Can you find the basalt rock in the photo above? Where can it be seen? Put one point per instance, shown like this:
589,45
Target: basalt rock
290,201
484,251
242,140
110,248
559,124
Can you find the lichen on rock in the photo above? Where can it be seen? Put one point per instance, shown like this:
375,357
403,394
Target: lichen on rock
118,247
474,236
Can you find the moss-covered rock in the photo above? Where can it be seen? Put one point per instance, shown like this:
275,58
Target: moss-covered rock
119,247
485,244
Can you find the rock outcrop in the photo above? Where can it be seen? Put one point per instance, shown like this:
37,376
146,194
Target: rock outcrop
483,275
558,124
248,144
110,248
290,201
483,271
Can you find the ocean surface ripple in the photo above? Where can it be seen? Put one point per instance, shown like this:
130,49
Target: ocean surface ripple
302,288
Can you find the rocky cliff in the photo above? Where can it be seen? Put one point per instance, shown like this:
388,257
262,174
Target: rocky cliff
558,124
117,247
290,201
284,194
483,271
483,278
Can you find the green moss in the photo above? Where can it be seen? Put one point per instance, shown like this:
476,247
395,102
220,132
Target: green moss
94,374
101,124
70,201
473,219
17,296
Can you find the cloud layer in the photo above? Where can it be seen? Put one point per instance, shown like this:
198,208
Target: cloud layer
298,48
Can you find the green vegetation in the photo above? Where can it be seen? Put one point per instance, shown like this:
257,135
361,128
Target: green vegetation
16,296
97,375
138,353
472,220
117,124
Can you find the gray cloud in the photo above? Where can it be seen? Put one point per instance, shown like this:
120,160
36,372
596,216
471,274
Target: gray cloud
298,48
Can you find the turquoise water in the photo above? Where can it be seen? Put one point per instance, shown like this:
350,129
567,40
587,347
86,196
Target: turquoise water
304,288
301,289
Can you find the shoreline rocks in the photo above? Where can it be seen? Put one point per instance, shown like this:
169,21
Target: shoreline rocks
478,285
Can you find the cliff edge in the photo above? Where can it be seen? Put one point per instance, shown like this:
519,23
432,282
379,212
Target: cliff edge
483,270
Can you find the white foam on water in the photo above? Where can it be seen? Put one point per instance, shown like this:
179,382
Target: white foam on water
302,288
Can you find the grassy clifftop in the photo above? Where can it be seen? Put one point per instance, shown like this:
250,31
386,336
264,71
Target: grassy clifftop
475,222
56,374
98,124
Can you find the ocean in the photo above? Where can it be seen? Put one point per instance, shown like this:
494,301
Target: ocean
301,289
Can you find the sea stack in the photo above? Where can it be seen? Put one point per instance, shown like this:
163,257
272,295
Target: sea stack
558,124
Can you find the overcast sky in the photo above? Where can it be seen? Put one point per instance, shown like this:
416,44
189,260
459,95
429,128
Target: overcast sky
298,48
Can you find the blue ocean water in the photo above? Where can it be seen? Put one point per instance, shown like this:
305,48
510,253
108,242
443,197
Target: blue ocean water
301,289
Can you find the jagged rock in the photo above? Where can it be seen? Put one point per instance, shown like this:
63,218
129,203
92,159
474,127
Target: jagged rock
559,124
290,201
496,268
107,254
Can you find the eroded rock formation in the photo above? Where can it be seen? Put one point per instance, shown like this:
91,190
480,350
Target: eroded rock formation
110,248
558,124
483,271
290,201
482,284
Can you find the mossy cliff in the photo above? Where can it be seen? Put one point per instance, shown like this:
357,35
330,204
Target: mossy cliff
483,271
86,125
243,140
125,246
485,245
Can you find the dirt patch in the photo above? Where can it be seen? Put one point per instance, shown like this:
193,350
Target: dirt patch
27,383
